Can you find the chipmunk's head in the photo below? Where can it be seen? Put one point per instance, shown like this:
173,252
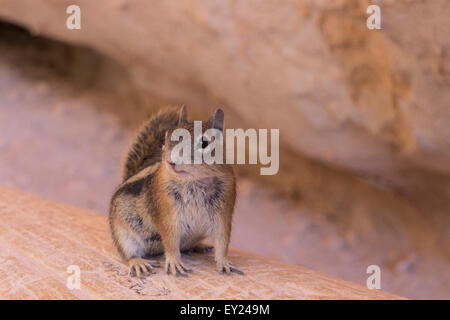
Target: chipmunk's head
190,150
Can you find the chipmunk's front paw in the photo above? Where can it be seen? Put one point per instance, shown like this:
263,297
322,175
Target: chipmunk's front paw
141,267
226,267
175,267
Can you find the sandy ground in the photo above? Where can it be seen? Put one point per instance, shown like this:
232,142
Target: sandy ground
68,114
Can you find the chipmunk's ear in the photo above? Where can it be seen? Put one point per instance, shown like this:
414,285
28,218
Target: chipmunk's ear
217,119
182,115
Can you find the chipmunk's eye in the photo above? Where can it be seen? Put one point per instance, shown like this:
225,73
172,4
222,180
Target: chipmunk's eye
204,142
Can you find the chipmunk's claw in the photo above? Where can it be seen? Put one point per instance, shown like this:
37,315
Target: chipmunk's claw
226,267
141,267
154,264
235,270
175,267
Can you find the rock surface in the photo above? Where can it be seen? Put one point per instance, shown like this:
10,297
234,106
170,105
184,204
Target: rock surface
40,239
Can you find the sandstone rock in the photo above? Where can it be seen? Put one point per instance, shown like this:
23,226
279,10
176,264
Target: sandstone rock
373,101
40,240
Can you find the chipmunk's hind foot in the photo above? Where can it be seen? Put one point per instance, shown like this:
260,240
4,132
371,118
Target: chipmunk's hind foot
142,267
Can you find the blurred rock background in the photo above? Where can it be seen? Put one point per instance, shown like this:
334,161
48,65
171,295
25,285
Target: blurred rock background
363,115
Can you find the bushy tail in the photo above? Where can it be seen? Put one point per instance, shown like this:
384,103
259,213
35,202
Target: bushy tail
147,148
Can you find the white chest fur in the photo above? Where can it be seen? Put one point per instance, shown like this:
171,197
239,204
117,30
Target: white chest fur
195,213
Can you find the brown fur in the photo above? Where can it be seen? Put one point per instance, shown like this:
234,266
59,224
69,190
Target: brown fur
165,208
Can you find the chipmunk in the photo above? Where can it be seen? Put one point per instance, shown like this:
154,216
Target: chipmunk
163,207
